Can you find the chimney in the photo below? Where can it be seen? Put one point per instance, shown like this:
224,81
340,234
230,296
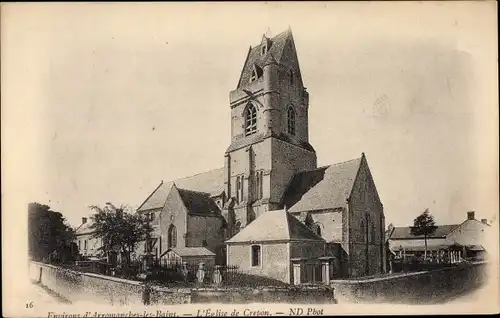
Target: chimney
84,220
485,221
470,215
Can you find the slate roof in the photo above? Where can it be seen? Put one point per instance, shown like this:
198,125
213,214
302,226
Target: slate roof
255,138
277,225
324,188
211,182
413,248
401,233
198,202
190,251
84,228
254,56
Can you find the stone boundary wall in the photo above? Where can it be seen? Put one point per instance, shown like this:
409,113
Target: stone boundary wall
99,289
290,295
421,287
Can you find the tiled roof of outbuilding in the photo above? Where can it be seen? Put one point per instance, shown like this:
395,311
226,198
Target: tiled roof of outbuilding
276,225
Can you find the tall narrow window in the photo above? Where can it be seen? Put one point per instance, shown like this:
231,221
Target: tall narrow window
258,185
250,120
261,185
317,229
172,236
242,187
291,121
373,233
290,74
256,255
85,244
363,231
238,186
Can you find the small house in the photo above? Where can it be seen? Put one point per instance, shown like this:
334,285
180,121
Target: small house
277,245
191,255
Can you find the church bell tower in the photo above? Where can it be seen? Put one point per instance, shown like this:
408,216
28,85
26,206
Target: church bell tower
269,131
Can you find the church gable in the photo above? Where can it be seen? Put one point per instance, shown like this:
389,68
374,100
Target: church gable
364,187
174,207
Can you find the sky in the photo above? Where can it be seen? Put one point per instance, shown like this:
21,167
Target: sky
103,101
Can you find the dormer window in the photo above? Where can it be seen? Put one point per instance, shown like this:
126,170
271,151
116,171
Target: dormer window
256,73
265,45
254,76
263,49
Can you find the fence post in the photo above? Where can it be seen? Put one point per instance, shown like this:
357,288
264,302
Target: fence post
297,271
326,272
40,275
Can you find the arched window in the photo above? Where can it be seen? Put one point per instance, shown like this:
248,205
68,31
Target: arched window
172,236
250,120
290,74
291,121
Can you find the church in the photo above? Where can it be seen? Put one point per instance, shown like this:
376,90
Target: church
269,165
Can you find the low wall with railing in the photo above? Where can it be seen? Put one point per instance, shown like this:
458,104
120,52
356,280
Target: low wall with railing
419,287
76,286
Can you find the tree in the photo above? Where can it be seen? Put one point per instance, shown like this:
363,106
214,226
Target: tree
48,235
119,229
424,225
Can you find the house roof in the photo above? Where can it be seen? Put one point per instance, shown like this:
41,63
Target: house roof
255,57
277,225
476,248
211,182
190,251
405,232
84,228
324,188
410,248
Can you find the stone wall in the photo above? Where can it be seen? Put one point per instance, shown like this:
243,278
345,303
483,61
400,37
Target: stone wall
272,263
291,295
99,289
366,228
423,287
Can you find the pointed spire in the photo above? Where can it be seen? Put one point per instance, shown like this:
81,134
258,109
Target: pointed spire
268,33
